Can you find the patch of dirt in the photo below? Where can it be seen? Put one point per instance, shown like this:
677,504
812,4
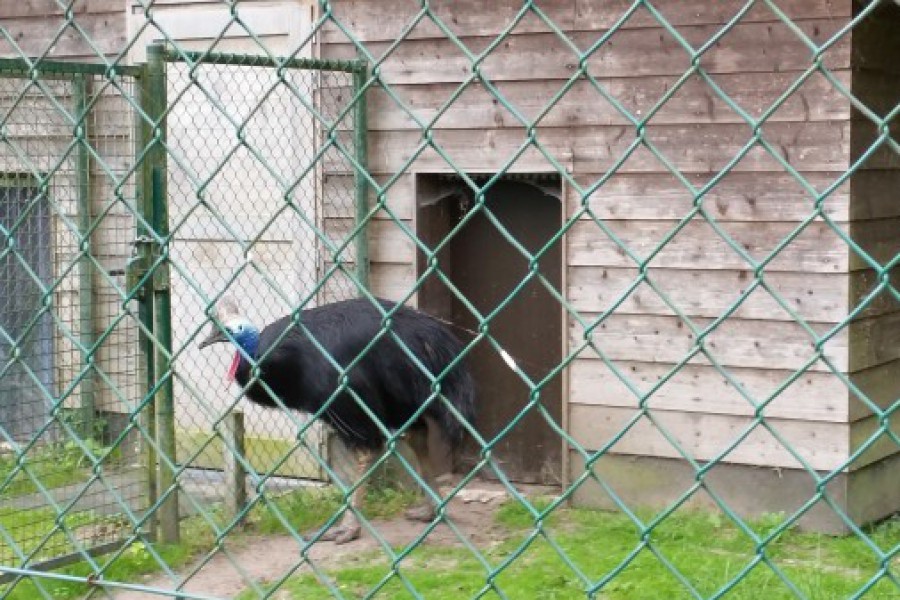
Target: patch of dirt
268,558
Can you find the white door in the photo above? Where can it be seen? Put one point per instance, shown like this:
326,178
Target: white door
242,202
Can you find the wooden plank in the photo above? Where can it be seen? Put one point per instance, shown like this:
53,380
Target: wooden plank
234,453
339,201
583,105
387,242
815,297
748,47
866,138
702,388
873,341
33,36
881,386
370,21
752,197
700,148
338,285
876,237
187,21
817,249
818,297
877,90
734,343
864,283
824,446
387,280
884,446
873,194
41,9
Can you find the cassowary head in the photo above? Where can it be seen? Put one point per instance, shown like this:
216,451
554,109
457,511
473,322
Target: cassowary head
244,333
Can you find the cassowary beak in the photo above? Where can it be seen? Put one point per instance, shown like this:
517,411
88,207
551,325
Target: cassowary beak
217,336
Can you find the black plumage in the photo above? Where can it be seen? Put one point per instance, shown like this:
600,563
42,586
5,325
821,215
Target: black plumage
390,371
386,379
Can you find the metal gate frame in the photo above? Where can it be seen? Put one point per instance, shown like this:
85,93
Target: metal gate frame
82,431
150,271
147,274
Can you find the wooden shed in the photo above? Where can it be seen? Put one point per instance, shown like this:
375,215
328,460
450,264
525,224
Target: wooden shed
638,262
699,298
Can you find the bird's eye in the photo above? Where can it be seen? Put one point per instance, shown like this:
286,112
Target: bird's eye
238,328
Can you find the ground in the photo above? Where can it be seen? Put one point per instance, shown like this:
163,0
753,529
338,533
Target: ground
265,558
568,554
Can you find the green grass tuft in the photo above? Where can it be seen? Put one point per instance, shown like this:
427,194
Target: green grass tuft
572,552
56,465
308,509
130,565
302,510
578,549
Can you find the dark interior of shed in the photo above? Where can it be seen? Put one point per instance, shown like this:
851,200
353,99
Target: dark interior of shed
486,268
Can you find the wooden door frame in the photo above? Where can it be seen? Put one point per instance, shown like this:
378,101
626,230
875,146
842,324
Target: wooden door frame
564,283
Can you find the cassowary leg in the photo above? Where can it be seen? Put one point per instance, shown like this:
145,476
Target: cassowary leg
349,528
417,438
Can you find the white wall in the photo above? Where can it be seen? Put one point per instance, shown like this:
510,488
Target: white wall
240,141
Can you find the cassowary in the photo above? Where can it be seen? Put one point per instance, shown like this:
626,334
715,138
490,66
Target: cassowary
390,384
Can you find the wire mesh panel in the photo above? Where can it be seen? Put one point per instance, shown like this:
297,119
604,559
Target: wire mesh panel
23,407
254,216
68,390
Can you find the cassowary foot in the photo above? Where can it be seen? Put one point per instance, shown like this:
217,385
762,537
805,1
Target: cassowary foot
347,531
342,534
424,513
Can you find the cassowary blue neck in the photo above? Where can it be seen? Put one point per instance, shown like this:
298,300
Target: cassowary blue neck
249,343
246,337
250,347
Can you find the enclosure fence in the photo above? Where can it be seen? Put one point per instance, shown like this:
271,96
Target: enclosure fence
721,271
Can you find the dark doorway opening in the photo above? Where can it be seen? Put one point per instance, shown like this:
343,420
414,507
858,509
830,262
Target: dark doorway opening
487,268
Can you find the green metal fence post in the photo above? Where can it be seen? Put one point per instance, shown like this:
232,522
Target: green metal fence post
137,270
360,125
87,336
162,302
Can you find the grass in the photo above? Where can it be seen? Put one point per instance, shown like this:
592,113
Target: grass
29,528
55,465
130,565
708,550
303,510
264,453
34,530
306,510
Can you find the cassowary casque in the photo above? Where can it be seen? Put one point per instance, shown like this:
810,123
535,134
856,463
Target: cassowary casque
385,378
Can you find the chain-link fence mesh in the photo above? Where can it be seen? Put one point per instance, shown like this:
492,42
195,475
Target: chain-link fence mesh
245,138
69,360
665,232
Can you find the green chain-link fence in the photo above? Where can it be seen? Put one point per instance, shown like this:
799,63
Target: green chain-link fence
67,356
247,238
667,233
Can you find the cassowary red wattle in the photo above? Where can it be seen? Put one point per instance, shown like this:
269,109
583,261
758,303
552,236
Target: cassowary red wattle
393,375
